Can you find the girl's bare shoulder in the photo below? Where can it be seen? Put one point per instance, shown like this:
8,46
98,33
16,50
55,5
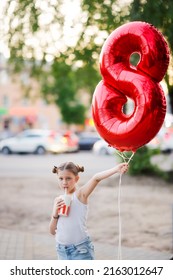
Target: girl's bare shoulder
80,193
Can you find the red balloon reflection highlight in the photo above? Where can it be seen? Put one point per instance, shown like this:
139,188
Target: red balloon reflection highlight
121,81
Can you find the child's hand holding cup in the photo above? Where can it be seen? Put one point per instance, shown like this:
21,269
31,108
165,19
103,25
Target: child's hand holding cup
64,210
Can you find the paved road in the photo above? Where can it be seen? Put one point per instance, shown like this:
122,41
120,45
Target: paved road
40,166
17,245
27,245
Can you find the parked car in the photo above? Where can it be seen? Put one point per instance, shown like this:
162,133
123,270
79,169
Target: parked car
87,140
164,139
57,144
64,143
101,147
29,141
4,134
72,141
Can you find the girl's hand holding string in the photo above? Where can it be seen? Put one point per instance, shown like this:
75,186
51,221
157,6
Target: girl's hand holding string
122,167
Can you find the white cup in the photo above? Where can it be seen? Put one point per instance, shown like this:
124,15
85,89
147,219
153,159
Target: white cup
64,210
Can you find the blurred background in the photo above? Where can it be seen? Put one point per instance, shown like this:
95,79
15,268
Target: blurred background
49,68
49,58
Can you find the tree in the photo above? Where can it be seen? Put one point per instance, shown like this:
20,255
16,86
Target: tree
37,36
160,14
41,34
61,88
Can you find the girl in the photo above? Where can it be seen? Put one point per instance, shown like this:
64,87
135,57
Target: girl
72,240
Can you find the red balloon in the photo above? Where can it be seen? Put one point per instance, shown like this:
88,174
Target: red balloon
139,83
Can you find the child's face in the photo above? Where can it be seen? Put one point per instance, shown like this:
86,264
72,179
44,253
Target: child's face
67,180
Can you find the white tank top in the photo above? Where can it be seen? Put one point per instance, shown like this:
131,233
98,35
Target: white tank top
72,229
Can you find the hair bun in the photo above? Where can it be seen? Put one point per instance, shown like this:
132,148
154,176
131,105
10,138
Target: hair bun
80,168
55,169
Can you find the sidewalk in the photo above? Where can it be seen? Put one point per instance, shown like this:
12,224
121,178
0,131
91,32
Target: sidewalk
16,245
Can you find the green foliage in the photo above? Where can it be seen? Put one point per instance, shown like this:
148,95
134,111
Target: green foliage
73,113
98,18
160,14
141,163
60,86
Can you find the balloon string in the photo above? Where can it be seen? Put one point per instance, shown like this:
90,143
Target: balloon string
125,157
130,158
119,218
119,206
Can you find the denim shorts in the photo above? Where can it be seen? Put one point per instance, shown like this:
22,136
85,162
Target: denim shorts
82,251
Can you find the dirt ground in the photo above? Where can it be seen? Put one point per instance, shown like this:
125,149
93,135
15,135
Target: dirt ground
146,209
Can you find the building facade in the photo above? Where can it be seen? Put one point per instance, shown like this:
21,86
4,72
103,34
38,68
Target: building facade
21,104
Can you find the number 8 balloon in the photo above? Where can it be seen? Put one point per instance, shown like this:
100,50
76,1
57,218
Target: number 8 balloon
121,81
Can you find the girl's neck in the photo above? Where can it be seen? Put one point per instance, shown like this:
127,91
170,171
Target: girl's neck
72,190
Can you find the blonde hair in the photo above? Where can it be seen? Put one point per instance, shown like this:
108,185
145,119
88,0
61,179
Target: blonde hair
74,168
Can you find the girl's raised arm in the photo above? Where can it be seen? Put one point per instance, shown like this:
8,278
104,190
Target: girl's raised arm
87,189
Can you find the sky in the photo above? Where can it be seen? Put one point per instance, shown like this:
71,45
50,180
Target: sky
3,47
72,11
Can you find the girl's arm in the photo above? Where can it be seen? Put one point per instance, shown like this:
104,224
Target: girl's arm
58,203
53,225
86,190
